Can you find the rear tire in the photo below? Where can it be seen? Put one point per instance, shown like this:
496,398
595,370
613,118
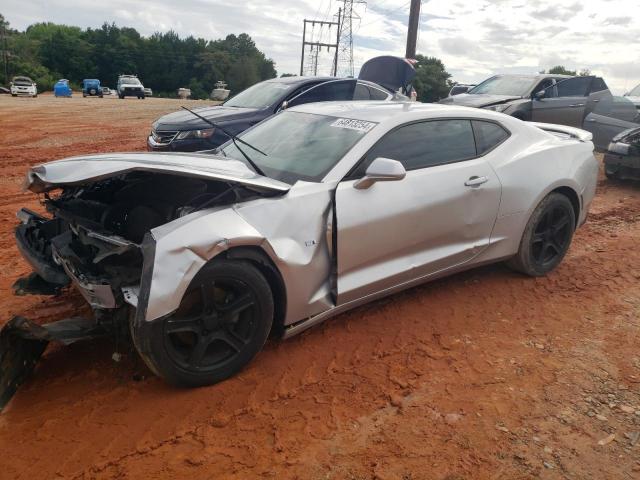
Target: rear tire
223,321
610,173
546,237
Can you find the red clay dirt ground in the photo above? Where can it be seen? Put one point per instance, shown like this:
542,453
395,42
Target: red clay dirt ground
483,375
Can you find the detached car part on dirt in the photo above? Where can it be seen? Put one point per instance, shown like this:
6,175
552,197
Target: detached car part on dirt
315,211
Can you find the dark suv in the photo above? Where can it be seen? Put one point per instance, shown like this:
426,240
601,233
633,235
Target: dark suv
540,98
380,79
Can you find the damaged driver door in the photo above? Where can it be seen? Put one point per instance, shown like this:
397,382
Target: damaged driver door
420,201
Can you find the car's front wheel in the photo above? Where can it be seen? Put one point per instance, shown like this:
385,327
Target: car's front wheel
546,237
223,321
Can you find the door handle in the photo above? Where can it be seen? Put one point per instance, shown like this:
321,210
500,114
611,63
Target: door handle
577,105
592,120
475,181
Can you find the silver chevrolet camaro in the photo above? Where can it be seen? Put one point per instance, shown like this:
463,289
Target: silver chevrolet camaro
319,209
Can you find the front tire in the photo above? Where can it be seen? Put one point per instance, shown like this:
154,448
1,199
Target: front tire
223,321
546,237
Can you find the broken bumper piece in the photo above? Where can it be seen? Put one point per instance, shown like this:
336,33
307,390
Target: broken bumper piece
22,343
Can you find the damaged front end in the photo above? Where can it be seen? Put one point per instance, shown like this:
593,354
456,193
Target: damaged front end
95,236
622,157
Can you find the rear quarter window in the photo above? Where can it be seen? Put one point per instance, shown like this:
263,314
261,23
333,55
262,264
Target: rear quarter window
488,135
377,94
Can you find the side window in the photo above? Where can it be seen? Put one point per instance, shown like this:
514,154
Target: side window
488,135
377,94
547,86
361,93
598,85
327,91
574,87
425,144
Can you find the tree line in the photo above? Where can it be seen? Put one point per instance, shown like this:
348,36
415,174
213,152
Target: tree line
164,62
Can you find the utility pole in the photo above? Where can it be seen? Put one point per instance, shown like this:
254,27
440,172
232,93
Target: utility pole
5,52
412,32
346,35
314,47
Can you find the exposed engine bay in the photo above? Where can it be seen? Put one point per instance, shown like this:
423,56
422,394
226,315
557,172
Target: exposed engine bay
94,235
98,235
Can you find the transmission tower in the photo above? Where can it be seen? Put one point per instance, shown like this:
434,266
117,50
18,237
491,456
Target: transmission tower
345,40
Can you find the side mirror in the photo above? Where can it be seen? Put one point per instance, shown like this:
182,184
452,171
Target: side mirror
284,105
381,170
539,95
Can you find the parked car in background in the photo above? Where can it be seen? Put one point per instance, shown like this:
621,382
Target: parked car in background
23,86
460,88
540,98
91,88
148,92
130,86
379,79
62,89
615,125
106,91
634,96
201,256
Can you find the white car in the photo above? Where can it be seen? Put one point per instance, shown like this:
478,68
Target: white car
316,210
130,86
23,86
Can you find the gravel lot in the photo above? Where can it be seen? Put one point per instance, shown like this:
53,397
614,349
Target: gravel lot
483,375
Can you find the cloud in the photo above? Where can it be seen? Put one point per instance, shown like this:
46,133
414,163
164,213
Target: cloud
557,12
622,21
474,40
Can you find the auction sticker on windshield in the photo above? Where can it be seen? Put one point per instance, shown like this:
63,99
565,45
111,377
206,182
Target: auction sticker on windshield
359,125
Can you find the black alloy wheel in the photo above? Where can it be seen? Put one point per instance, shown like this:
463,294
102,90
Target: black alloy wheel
546,237
222,322
551,235
214,323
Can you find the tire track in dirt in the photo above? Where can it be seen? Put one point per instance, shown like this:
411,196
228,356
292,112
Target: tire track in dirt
486,374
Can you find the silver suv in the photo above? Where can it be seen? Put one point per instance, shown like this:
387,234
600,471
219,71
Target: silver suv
130,86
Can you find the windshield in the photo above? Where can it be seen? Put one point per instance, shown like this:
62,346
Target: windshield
512,85
130,81
635,92
300,146
260,95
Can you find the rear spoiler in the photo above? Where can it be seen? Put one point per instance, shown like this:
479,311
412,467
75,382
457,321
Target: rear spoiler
573,132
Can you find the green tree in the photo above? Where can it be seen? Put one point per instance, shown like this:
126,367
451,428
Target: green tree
432,80
560,70
163,61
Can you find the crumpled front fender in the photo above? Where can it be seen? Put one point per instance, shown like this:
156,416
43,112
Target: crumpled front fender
182,248
293,231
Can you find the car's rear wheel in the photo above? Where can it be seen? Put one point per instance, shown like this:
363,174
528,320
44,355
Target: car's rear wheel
546,237
223,321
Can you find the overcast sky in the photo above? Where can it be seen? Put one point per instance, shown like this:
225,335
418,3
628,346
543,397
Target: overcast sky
473,38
